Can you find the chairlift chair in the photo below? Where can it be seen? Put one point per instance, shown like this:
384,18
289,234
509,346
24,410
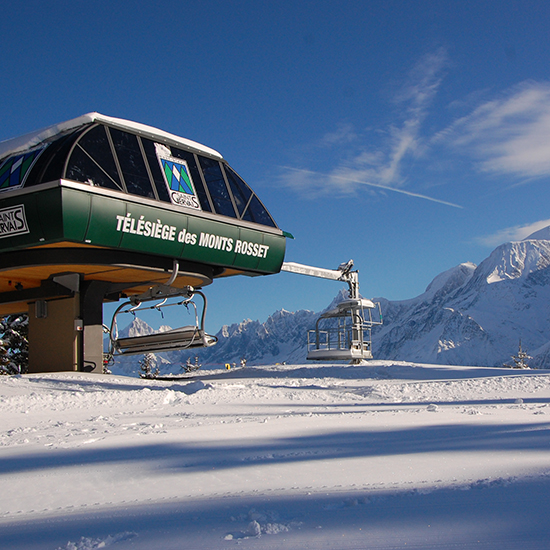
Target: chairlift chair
186,337
348,336
343,333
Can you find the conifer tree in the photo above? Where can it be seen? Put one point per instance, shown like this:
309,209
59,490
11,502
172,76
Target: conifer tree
148,366
14,347
520,360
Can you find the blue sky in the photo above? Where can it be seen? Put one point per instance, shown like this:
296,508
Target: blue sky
410,136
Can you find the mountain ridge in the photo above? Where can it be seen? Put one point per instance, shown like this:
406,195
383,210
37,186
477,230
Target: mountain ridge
468,315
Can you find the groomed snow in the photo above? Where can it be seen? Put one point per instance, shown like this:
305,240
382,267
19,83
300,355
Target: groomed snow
389,455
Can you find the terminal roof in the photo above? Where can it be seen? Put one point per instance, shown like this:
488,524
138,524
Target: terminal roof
28,141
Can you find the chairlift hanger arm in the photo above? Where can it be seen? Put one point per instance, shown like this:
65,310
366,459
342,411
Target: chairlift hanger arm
343,273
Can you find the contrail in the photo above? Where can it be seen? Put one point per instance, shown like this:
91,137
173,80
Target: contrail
379,186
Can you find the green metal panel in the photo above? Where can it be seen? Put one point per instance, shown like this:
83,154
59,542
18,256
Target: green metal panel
276,253
211,241
101,228
49,208
74,215
248,250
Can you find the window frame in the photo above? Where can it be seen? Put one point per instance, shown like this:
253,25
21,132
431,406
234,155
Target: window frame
223,166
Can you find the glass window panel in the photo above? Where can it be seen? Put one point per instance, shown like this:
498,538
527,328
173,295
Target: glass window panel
217,187
84,169
152,159
51,164
257,213
96,144
241,191
132,164
195,176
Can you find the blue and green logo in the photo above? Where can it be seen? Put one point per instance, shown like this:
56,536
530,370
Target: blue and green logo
14,170
177,176
178,179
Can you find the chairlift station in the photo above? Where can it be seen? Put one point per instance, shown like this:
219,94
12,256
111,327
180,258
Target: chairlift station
97,209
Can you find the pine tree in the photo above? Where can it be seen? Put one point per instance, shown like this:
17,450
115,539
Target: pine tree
14,347
190,367
519,359
148,366
4,358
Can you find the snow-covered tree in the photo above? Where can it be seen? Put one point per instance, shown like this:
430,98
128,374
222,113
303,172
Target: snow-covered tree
14,344
191,367
148,366
520,359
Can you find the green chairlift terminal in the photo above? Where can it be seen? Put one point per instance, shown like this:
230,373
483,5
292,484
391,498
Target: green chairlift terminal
99,208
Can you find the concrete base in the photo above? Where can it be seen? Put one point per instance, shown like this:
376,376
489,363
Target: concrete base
93,349
59,340
54,343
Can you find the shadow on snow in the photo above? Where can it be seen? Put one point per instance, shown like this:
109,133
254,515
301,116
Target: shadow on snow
198,457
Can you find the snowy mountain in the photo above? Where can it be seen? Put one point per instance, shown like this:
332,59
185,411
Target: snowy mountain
280,339
138,327
541,234
468,315
476,315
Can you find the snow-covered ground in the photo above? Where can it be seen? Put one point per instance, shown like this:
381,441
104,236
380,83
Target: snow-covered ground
390,455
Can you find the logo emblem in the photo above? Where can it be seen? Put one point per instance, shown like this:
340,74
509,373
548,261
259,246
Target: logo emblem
13,221
178,179
14,170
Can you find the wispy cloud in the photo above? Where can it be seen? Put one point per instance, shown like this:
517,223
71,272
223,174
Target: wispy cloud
343,134
334,180
509,135
515,233
380,168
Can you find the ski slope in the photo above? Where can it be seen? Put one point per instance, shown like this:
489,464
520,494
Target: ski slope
389,455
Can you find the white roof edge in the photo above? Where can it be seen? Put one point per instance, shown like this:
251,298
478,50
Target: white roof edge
28,141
